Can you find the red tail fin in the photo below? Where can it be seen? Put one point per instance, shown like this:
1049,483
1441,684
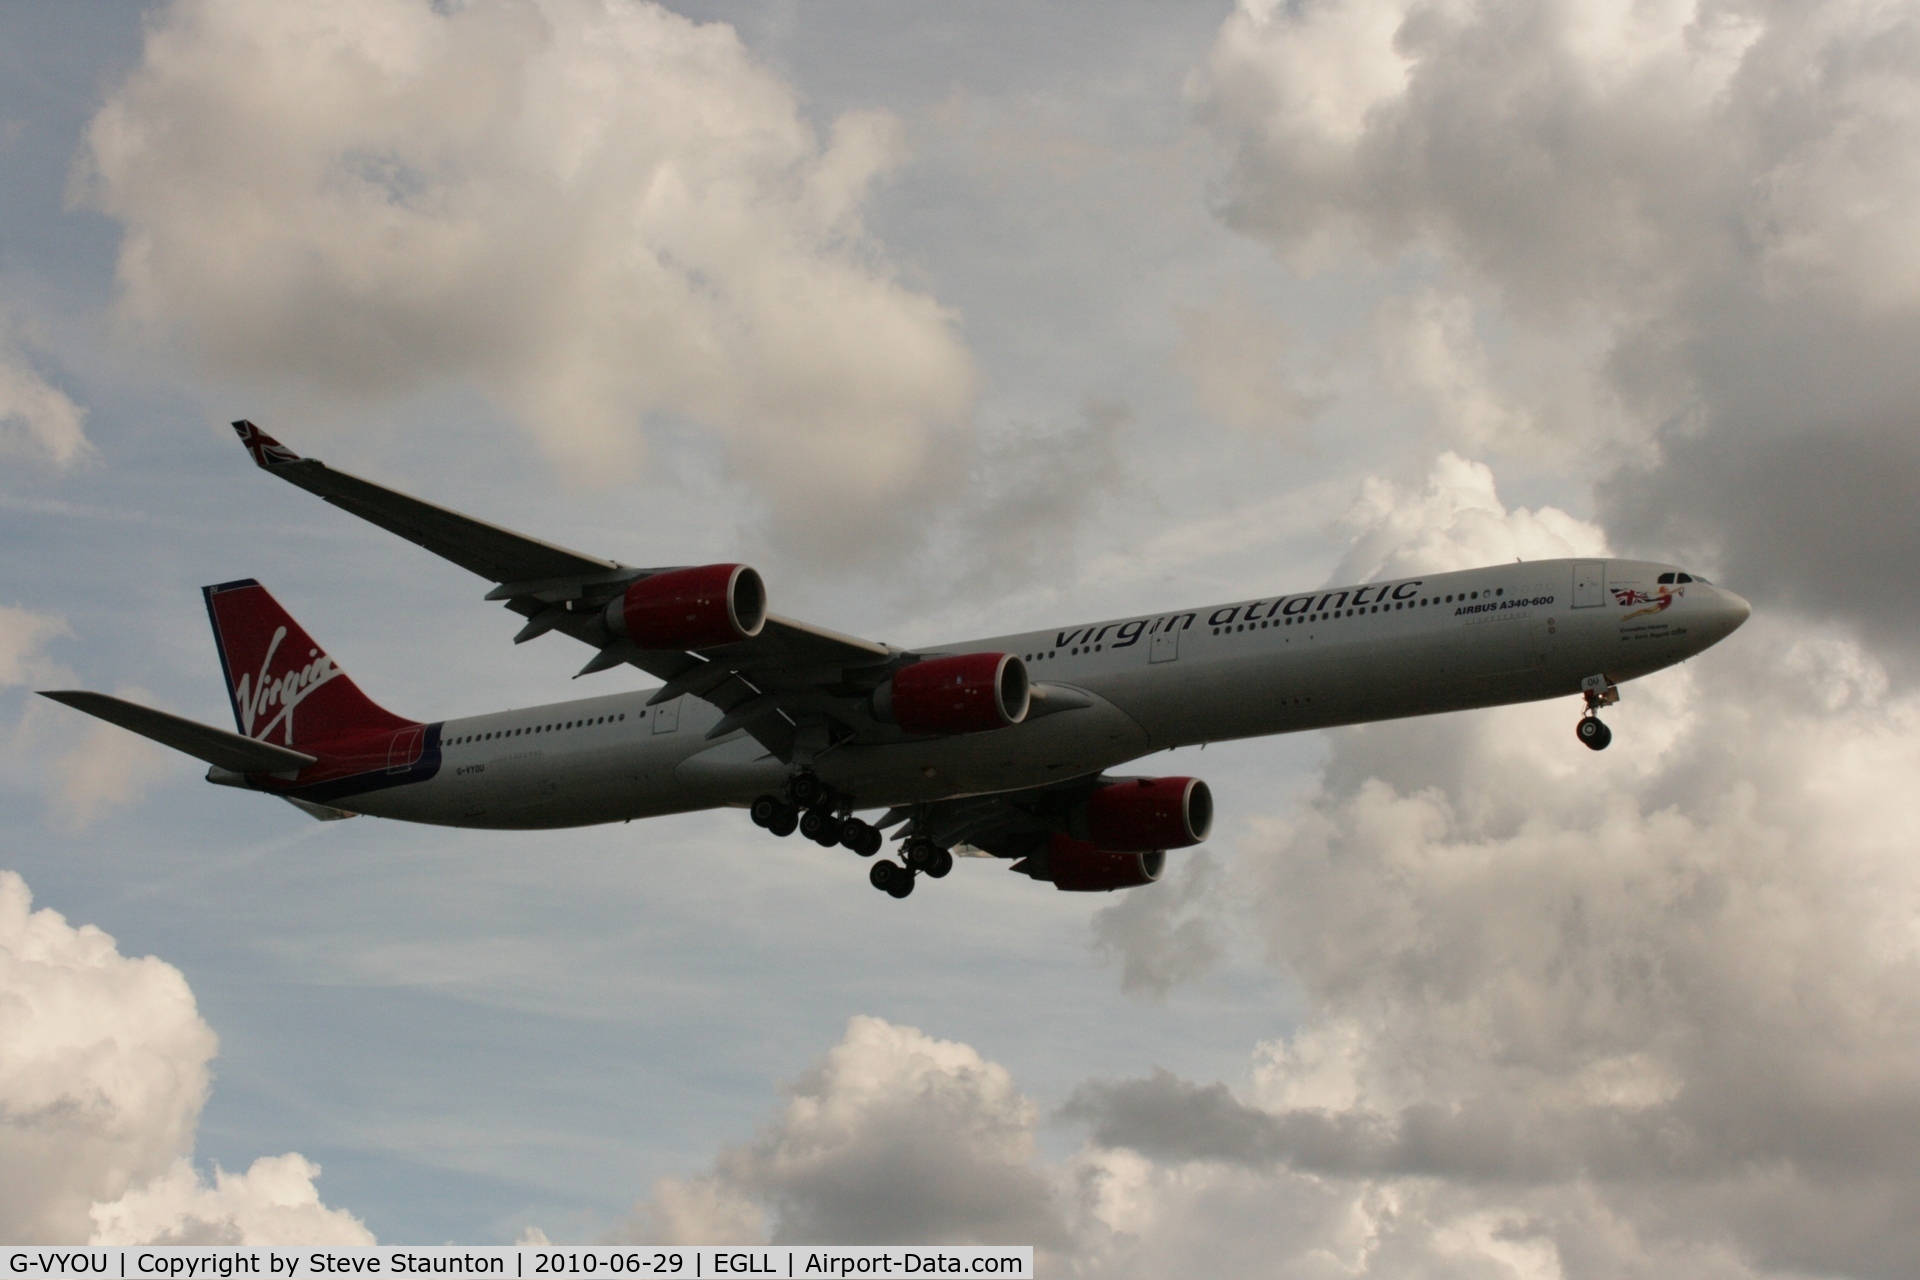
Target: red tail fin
285,689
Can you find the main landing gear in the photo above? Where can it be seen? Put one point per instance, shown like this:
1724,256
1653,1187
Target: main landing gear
1599,692
825,817
922,857
819,813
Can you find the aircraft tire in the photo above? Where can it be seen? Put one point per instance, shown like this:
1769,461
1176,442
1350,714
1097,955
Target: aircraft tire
807,790
784,822
886,872
765,809
871,844
940,865
903,886
920,853
1594,734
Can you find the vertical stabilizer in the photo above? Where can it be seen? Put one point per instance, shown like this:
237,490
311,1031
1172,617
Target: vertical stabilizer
284,687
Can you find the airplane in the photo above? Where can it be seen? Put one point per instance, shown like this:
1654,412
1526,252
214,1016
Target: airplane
997,747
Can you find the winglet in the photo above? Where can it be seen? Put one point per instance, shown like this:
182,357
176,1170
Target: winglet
267,452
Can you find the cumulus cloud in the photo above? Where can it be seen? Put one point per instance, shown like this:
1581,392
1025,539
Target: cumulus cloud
1453,520
894,1138
103,1071
602,212
1705,207
274,1202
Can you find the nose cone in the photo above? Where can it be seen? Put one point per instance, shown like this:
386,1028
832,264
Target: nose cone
1726,614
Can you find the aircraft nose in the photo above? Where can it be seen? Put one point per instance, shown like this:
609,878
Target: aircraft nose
1731,610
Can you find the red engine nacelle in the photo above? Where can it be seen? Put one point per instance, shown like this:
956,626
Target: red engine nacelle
966,693
699,608
1143,814
1079,867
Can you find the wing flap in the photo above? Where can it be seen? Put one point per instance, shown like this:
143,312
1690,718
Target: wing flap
220,747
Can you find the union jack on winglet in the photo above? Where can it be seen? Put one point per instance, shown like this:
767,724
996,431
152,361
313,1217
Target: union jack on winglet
266,451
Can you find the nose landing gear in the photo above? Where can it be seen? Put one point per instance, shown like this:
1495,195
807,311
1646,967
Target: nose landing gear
1599,692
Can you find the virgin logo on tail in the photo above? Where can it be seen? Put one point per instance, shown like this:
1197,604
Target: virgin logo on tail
256,695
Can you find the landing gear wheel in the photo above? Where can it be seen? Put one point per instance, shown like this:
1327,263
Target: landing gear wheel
765,809
821,827
940,866
889,876
921,853
1594,734
785,821
807,790
855,835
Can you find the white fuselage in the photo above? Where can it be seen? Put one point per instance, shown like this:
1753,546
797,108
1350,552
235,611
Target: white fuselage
1278,664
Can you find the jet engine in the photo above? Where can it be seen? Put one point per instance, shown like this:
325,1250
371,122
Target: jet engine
698,608
1079,867
964,693
1139,815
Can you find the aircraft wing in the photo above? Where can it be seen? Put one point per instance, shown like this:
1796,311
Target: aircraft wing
791,671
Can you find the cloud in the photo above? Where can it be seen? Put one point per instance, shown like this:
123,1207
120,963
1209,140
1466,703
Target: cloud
1454,520
35,416
104,766
23,636
1236,360
103,1071
1699,214
894,1138
603,213
274,1202
1167,937
86,765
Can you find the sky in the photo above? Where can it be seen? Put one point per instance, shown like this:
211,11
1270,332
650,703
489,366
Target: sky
959,320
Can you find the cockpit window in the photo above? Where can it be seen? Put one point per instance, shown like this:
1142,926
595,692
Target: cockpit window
1666,578
1676,578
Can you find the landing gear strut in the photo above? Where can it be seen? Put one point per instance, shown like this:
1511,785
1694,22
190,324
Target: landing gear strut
1599,692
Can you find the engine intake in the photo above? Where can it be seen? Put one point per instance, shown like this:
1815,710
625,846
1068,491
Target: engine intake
698,608
1139,815
965,693
1079,867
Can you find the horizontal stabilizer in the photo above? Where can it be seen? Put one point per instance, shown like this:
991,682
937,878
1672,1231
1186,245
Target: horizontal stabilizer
324,812
216,746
